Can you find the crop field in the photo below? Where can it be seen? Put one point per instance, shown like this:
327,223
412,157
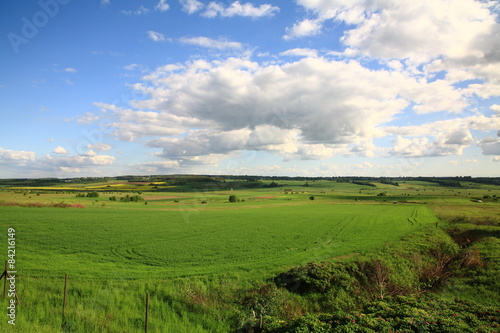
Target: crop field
164,244
182,243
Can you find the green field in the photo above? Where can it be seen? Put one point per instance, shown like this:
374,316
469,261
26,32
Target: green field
193,250
104,243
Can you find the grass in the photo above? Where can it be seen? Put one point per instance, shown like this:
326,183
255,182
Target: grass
196,253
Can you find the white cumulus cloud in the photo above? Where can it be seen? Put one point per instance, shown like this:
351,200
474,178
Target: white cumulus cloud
60,150
99,146
17,163
156,36
306,27
490,145
191,6
214,9
162,6
210,43
16,157
418,30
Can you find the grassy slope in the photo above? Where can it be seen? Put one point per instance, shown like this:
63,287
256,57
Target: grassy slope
107,286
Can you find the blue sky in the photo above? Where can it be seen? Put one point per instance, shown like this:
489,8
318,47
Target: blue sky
299,88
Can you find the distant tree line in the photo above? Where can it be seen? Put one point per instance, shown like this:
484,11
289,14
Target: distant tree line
444,181
363,183
271,185
388,182
177,180
31,182
128,198
93,194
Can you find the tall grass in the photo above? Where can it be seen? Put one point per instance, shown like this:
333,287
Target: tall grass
111,306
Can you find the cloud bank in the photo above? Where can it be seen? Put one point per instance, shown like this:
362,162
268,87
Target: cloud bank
313,108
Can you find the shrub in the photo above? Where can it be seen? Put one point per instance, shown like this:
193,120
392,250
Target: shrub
266,300
131,198
319,277
403,314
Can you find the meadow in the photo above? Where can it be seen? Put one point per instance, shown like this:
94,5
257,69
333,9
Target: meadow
195,252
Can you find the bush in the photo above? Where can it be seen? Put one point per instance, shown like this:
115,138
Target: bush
131,198
233,198
403,314
319,277
266,300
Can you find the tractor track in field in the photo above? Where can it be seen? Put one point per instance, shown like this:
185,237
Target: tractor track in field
341,227
413,219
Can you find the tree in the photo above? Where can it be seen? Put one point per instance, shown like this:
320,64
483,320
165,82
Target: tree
233,198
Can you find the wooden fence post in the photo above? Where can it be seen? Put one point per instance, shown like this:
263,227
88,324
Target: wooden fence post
5,275
5,280
147,313
65,293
